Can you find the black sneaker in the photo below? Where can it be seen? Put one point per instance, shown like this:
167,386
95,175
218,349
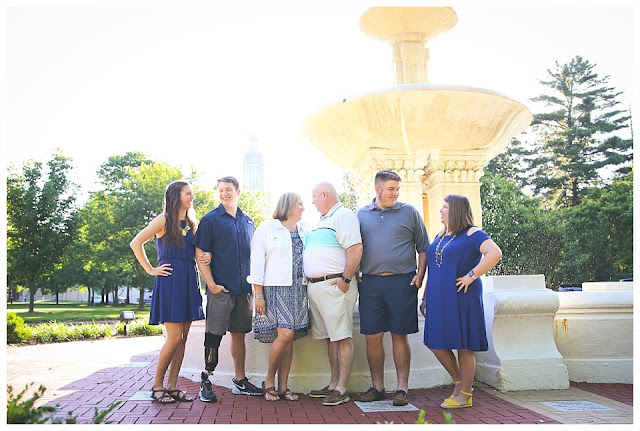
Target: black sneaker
244,387
206,391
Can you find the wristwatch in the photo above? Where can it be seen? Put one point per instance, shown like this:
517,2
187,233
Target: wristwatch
472,274
346,280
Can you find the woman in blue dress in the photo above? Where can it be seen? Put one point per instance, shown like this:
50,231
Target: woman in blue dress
281,303
176,299
452,302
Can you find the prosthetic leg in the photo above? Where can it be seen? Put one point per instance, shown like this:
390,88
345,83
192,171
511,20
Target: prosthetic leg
211,346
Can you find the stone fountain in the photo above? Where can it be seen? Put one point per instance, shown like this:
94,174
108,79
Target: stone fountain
437,137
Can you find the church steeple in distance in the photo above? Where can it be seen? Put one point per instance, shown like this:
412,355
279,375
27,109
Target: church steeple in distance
253,167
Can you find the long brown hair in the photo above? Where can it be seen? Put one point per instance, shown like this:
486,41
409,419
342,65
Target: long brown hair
171,210
460,215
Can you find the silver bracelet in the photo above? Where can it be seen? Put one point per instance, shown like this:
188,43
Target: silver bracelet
259,296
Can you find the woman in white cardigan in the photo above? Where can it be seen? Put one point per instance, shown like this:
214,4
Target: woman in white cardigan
282,313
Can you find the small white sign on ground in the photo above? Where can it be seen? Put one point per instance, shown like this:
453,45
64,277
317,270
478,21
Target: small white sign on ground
575,406
133,365
142,396
384,406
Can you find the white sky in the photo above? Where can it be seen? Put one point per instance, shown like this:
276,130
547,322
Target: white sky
188,82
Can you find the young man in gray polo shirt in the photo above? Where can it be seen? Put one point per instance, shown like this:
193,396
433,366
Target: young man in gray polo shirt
392,234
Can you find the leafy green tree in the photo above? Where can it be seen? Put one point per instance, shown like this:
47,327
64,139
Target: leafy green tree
41,221
530,238
348,195
580,135
599,234
513,163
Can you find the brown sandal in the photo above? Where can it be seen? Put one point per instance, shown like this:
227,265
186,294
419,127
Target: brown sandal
288,395
270,391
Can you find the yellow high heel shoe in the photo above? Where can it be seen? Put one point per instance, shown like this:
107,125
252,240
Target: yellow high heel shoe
453,396
450,404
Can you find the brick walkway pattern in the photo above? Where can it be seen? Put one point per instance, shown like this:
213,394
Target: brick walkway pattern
112,384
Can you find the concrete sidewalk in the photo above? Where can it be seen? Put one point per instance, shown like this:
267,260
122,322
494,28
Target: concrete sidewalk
82,375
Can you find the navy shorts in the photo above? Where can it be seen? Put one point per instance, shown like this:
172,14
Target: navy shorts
388,303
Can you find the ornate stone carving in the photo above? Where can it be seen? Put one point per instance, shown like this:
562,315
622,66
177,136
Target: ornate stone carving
456,170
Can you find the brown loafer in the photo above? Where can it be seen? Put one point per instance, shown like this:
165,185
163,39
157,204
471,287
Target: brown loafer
321,393
373,395
401,398
336,398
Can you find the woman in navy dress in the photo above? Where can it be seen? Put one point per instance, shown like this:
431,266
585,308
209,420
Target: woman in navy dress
176,299
452,303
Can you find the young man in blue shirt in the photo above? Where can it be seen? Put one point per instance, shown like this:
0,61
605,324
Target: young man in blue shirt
226,233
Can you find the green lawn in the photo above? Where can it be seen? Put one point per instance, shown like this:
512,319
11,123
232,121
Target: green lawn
72,312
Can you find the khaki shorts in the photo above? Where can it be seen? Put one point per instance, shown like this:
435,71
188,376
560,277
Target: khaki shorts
227,312
331,310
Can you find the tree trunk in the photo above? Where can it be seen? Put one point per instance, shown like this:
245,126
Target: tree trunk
32,292
141,299
575,199
57,298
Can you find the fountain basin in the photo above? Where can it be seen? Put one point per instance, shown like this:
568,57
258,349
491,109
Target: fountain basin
415,117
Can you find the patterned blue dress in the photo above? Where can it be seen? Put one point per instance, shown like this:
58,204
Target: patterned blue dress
177,297
286,306
454,320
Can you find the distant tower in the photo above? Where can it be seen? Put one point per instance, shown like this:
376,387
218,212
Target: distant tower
253,167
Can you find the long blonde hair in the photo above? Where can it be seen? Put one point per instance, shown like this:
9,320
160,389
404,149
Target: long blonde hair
286,204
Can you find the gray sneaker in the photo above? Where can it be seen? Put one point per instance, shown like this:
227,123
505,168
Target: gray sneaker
245,387
206,391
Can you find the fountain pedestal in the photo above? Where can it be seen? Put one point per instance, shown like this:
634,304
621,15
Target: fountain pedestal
519,315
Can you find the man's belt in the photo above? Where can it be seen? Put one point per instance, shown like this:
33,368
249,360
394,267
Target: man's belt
385,274
326,277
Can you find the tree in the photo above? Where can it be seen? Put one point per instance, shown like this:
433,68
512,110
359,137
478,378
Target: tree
579,135
530,238
348,195
599,234
513,163
41,220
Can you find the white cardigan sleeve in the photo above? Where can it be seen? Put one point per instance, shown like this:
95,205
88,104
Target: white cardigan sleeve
258,254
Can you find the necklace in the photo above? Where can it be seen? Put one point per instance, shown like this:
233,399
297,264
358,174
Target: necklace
439,252
186,229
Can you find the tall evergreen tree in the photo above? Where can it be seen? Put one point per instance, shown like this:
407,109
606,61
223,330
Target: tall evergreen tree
580,135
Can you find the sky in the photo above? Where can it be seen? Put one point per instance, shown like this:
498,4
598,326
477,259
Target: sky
189,82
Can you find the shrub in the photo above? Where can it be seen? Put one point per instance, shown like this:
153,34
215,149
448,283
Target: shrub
23,412
17,331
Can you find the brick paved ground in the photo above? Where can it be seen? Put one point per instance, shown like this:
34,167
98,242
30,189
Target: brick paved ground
94,376
111,384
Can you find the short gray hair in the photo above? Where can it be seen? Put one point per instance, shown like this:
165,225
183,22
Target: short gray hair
328,188
286,204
